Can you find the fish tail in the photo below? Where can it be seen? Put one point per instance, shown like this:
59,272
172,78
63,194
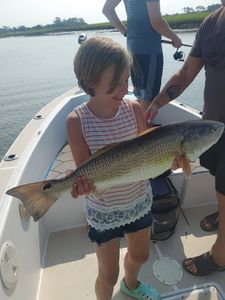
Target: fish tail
35,197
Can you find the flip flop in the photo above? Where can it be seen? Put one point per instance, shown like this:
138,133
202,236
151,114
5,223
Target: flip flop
204,264
142,292
212,220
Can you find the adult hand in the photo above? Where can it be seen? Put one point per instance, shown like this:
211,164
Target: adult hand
177,42
82,186
151,112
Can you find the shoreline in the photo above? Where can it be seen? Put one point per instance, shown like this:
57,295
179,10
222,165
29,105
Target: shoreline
177,30
178,22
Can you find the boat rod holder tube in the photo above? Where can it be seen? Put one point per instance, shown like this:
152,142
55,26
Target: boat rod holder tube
171,43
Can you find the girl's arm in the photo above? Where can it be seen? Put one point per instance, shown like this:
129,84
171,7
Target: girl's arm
139,115
80,152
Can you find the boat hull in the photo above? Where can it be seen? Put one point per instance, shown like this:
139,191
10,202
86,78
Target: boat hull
58,243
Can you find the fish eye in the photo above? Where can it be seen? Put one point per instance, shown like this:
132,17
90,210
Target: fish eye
47,186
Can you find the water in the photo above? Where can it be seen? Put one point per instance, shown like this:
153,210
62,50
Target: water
34,70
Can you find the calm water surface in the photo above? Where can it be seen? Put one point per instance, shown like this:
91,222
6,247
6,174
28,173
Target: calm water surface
34,70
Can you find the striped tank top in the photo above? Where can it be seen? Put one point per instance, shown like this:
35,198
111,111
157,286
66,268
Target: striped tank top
121,204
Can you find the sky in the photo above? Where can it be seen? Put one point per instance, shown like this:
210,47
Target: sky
14,13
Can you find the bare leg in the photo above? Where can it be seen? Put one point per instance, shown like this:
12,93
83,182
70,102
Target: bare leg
138,244
218,249
108,269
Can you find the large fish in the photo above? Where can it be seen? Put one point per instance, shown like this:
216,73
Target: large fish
146,156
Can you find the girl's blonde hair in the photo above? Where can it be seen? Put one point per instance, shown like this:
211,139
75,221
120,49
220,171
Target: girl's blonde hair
94,56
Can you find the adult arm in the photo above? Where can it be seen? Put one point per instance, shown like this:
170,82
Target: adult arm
175,86
159,23
109,10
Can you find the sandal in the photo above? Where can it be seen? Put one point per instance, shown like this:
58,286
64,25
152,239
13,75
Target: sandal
142,292
204,264
210,222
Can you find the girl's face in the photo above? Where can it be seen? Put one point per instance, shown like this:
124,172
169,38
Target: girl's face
101,89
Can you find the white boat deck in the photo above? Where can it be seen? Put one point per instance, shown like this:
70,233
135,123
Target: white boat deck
70,265
65,266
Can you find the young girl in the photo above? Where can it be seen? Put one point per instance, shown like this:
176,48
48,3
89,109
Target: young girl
102,68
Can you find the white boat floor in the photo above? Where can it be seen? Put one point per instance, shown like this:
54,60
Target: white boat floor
70,266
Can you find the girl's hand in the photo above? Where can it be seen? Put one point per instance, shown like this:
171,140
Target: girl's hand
82,186
177,163
184,163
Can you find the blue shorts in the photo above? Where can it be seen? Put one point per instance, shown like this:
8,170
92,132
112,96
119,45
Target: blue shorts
214,160
107,235
146,75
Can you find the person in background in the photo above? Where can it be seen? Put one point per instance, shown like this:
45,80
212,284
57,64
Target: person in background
208,51
145,26
102,68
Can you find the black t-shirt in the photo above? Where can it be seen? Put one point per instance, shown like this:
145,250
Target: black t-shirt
209,45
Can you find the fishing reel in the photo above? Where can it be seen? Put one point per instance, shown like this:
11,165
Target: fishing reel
179,55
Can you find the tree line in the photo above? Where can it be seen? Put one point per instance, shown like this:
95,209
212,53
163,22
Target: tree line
191,17
57,23
201,8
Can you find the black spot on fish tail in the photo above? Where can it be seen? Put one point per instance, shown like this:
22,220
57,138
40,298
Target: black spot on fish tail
36,197
47,186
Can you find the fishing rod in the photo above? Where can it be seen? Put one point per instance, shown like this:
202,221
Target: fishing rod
171,43
178,55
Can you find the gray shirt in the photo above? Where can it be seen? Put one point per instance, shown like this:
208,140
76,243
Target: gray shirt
209,45
141,36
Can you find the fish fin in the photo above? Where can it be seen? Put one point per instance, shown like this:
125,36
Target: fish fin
113,145
104,149
148,130
35,197
186,167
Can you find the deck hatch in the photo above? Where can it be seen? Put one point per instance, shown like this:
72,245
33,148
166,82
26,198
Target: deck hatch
8,266
167,270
